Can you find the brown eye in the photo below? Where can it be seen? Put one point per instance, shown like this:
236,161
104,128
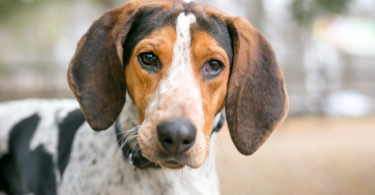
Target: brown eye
214,65
149,59
212,68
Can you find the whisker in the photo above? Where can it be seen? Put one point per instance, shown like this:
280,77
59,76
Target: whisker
133,145
131,138
145,164
139,149
126,137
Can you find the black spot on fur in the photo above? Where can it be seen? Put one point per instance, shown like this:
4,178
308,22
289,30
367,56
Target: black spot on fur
67,130
23,171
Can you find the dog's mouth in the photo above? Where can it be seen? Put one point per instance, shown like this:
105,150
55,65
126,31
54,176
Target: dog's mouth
171,164
170,161
194,157
142,162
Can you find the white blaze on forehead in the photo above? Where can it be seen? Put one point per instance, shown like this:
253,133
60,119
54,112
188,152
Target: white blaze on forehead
187,1
180,74
177,95
180,84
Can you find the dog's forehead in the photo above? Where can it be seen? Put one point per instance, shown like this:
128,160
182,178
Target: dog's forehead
155,17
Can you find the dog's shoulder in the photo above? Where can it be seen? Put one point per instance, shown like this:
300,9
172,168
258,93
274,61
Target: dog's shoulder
36,136
47,114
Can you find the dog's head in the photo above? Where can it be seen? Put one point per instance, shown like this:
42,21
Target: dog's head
181,63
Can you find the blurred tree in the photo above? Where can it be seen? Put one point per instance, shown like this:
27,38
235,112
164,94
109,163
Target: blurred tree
9,8
305,11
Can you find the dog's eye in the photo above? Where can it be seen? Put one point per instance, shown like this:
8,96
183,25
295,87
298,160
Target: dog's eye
149,61
212,68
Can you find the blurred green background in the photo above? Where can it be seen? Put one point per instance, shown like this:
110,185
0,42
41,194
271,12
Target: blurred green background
325,47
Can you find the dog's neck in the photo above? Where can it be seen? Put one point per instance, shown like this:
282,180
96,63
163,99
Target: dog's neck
128,118
126,136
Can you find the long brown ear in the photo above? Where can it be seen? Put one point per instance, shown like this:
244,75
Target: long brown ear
256,101
96,73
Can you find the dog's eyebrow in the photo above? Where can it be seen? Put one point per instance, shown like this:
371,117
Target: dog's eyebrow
218,29
146,23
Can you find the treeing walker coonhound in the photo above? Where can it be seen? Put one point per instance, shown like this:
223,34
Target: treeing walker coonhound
177,64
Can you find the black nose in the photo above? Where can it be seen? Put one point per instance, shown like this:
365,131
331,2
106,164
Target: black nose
176,135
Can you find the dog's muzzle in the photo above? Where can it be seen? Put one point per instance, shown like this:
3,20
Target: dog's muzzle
175,135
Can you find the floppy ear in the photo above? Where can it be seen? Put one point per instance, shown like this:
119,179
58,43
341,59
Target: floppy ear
256,101
96,73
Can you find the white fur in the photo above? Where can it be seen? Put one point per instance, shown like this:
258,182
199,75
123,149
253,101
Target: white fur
110,174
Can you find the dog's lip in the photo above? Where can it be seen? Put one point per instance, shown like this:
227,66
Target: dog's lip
171,164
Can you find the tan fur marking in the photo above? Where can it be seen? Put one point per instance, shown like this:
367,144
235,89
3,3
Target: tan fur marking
203,49
141,84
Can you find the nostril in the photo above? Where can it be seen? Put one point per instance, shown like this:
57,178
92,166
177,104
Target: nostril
186,142
168,141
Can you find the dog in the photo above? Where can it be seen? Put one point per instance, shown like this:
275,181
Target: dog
156,76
